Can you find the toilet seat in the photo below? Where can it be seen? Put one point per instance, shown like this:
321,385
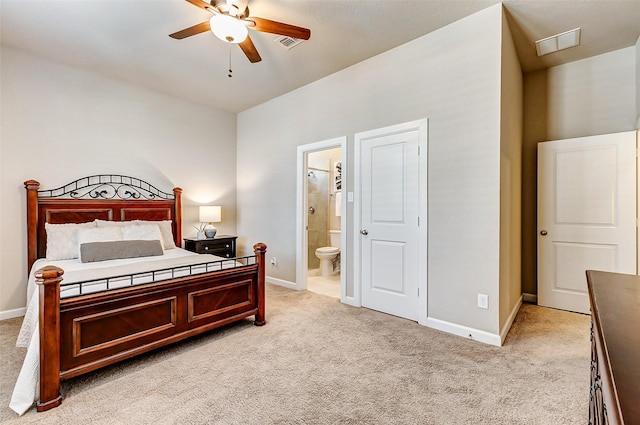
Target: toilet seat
328,250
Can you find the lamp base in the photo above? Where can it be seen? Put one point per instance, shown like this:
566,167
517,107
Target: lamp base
210,232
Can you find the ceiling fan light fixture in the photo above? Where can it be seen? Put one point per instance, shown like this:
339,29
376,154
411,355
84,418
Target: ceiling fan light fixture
228,29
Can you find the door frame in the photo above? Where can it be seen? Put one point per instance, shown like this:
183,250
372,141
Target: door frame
302,256
422,126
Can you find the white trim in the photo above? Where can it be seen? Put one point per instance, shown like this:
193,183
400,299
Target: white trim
509,322
301,213
356,300
423,231
10,314
348,300
464,331
422,126
530,298
282,282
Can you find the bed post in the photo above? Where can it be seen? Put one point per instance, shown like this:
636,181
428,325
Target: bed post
32,187
48,279
177,215
260,249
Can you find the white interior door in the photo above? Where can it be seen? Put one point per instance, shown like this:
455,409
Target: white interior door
389,215
586,215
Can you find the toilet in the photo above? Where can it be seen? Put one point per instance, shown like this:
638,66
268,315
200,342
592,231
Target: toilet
327,254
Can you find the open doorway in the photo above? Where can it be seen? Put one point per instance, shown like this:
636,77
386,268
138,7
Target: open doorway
321,222
324,193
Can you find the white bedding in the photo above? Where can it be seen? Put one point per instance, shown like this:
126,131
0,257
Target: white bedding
26,390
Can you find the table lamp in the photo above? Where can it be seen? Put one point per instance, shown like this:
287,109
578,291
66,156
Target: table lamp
210,214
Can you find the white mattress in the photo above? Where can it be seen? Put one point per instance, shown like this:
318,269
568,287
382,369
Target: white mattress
26,390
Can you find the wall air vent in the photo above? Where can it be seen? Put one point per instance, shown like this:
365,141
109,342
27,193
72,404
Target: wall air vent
288,42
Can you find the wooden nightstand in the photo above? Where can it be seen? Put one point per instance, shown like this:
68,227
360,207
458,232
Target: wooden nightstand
222,246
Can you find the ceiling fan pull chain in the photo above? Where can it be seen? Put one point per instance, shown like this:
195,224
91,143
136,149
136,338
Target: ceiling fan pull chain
230,70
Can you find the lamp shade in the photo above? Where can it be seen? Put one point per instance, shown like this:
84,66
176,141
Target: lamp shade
229,29
210,214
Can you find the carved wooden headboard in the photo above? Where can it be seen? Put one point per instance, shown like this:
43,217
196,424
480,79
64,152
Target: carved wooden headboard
104,197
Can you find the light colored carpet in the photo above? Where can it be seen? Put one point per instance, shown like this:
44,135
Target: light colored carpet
320,362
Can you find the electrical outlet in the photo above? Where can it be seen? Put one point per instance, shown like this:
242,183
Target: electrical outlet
274,262
483,301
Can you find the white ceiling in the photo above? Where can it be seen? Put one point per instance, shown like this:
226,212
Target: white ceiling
128,39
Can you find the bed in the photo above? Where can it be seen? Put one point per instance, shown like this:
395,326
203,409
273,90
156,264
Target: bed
84,316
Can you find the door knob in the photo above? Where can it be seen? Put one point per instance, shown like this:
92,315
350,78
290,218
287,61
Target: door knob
543,232
364,232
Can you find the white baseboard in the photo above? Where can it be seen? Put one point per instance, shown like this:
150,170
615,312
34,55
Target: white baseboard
282,282
464,331
512,316
10,314
530,298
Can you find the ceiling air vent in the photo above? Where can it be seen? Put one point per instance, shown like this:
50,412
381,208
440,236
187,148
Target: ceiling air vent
288,42
558,42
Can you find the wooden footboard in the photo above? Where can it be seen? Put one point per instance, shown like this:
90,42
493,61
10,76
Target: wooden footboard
81,334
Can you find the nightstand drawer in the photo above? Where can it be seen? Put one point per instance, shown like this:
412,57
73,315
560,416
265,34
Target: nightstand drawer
221,250
222,246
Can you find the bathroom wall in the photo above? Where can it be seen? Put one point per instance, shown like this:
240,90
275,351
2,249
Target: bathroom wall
318,221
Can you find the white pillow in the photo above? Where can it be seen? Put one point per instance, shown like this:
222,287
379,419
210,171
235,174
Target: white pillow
99,234
165,229
109,223
141,232
62,240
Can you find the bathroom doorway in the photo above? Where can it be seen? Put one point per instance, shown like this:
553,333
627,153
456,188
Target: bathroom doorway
321,248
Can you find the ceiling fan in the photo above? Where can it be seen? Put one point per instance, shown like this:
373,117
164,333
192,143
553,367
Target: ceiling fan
230,24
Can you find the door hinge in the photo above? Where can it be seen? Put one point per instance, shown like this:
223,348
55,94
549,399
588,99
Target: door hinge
418,291
418,149
418,221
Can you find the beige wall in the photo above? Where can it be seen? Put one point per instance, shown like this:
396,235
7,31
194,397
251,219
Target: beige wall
451,76
60,123
592,96
638,84
583,98
534,131
510,181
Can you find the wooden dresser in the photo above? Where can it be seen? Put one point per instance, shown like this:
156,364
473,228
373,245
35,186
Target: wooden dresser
615,348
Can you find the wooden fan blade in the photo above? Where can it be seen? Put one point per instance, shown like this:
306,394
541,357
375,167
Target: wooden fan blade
249,49
273,27
188,32
201,4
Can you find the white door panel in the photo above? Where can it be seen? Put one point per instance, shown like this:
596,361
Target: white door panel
383,278
586,215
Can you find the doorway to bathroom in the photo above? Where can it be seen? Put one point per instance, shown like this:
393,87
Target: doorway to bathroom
321,253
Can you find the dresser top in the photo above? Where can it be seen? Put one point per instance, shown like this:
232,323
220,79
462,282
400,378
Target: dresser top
615,305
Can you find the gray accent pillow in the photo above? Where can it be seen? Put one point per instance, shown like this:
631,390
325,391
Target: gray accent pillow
113,250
